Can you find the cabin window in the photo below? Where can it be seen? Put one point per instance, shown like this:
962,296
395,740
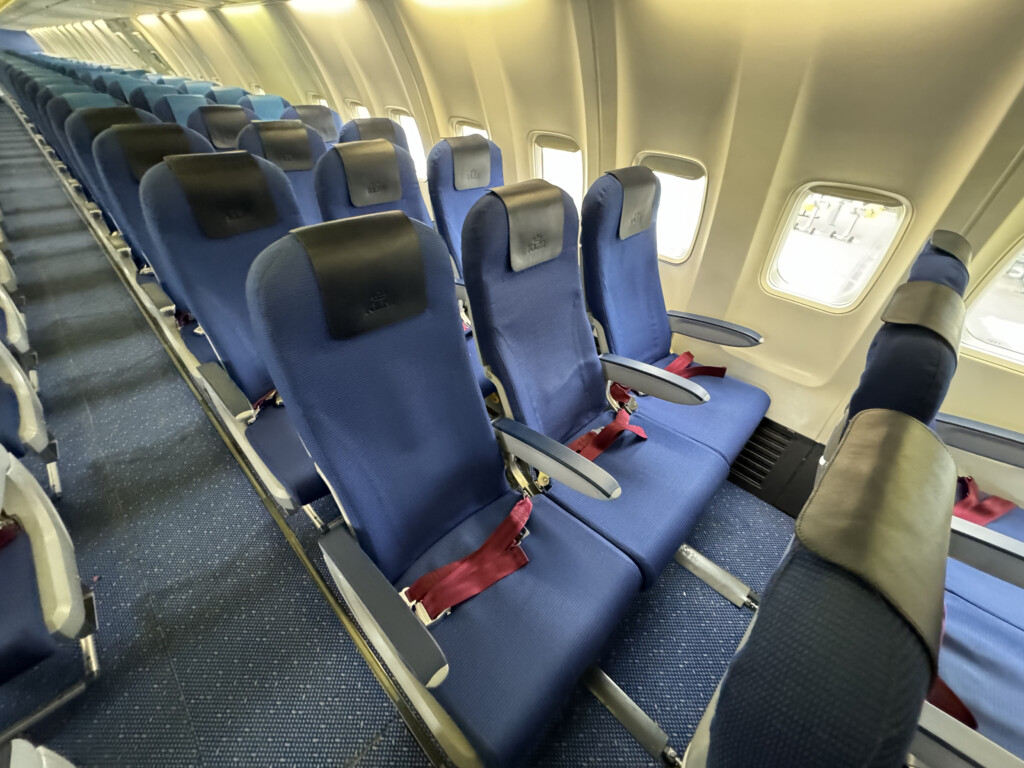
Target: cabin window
558,160
469,128
316,98
834,241
257,89
412,135
356,111
995,321
684,185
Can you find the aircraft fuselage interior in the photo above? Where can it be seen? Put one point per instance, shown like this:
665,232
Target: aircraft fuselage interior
493,383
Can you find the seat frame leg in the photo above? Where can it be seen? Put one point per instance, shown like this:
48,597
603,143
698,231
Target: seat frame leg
716,577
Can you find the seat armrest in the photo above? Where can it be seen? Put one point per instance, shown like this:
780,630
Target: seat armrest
994,553
360,581
226,389
31,423
942,740
652,380
1002,445
158,296
460,292
555,460
712,329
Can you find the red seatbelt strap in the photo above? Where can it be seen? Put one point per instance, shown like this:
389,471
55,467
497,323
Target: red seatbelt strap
593,444
443,588
942,697
975,509
8,530
262,403
681,367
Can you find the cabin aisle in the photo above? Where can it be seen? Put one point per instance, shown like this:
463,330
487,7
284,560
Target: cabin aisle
215,647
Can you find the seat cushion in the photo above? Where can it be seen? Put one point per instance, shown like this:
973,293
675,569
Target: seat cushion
666,481
981,657
516,650
10,420
486,385
274,438
724,423
197,343
1011,524
24,638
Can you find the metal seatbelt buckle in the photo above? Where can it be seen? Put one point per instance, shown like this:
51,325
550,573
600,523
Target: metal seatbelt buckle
421,613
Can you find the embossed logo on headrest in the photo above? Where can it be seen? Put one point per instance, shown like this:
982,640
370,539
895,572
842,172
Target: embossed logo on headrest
636,218
473,174
376,187
536,243
236,213
378,301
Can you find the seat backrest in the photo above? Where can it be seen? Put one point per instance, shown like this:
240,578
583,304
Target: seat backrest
459,172
61,107
323,119
120,87
177,107
295,149
173,81
209,216
48,94
267,106
909,367
361,177
226,94
619,256
199,87
123,154
523,280
364,311
146,96
83,126
366,128
220,124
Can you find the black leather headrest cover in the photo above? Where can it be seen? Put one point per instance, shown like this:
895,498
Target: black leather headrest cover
471,158
98,119
319,118
372,171
638,187
929,305
536,216
369,270
227,192
375,128
224,122
146,145
285,144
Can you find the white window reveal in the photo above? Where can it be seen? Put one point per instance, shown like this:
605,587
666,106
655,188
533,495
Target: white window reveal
684,185
995,321
316,98
356,111
558,160
469,128
412,135
834,242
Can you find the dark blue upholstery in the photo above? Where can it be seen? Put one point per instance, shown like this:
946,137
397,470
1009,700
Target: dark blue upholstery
302,181
516,649
61,107
350,132
121,190
292,114
624,295
533,331
199,87
332,190
122,87
46,95
80,138
267,106
10,421
146,96
176,108
870,670
197,122
909,368
169,80
24,638
225,94
451,205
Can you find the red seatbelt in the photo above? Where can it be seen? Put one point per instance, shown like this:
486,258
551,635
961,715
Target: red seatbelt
594,443
980,511
445,587
681,367
942,697
8,530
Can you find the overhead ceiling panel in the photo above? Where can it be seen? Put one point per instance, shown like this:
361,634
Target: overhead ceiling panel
29,14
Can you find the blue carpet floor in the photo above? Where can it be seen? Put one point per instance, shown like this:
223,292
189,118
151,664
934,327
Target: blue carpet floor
217,648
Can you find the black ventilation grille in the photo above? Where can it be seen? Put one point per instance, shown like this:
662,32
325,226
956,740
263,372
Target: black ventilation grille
777,465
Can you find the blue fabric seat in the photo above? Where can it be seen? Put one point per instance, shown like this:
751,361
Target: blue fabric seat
24,639
450,203
323,119
226,94
220,124
46,95
199,87
294,148
209,216
60,108
534,334
172,80
10,421
146,96
120,88
332,189
176,107
624,295
417,505
366,128
267,106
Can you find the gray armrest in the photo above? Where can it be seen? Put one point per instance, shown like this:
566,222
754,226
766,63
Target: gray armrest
460,293
226,389
652,380
944,741
555,460
360,580
981,439
994,553
712,329
158,296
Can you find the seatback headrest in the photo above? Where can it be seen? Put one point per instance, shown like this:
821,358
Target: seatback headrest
285,144
375,128
371,170
954,244
639,187
147,145
227,192
319,118
369,270
471,161
223,123
535,221
98,119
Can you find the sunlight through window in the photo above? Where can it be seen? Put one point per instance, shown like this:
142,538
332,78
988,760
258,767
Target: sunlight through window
412,135
559,161
995,322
